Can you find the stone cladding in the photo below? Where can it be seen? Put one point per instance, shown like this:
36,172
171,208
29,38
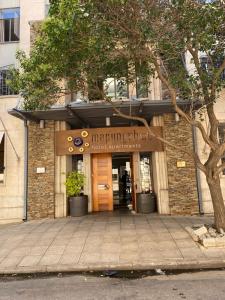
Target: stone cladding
182,184
41,154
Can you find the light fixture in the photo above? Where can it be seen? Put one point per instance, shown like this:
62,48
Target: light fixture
107,121
42,124
177,117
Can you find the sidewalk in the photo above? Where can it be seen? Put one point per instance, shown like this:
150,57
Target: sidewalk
104,241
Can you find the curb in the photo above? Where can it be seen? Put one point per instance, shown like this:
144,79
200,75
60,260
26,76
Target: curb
173,266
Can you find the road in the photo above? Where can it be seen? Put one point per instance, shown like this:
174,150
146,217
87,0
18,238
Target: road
197,286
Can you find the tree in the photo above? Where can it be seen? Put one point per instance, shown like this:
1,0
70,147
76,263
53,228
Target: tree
83,42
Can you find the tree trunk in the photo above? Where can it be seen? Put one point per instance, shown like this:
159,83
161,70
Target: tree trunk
218,203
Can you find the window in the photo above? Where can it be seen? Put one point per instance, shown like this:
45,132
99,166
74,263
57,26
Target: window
146,172
116,88
141,87
77,163
206,65
9,25
4,89
2,155
222,140
142,79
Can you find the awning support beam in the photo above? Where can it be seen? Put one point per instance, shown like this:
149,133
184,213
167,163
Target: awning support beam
74,114
27,116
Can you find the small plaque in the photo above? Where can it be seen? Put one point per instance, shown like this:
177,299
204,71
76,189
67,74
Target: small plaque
101,187
40,170
181,164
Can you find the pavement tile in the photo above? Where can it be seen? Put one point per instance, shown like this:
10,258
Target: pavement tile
171,254
38,250
20,251
112,247
125,232
30,260
73,249
152,253
110,257
55,250
76,242
213,253
166,245
129,239
147,246
92,247
10,262
180,235
129,256
50,259
194,253
73,258
186,243
109,239
129,246
45,242
90,257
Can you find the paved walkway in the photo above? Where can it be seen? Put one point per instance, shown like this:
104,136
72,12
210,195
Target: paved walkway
104,241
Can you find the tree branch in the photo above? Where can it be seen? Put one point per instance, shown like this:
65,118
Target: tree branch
220,169
188,119
151,133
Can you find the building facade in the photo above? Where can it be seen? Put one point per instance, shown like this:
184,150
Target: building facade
15,16
39,148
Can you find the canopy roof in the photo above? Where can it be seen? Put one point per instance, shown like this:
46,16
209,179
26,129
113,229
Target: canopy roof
94,115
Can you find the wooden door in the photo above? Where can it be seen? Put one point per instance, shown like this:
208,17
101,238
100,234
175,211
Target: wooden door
102,182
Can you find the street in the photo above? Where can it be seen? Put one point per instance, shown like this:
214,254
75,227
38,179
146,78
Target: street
199,285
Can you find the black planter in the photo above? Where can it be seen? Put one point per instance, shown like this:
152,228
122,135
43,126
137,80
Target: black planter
146,203
78,206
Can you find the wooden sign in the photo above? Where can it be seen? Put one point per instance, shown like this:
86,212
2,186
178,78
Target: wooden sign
107,140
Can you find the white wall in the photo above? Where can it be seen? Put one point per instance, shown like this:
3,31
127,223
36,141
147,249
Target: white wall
202,148
12,189
30,10
203,151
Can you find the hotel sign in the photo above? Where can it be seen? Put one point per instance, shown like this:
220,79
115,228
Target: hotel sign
109,139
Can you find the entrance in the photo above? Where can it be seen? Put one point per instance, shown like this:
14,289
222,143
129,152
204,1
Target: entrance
113,181
118,177
122,181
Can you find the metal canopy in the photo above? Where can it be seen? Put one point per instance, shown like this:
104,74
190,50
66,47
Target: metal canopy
93,115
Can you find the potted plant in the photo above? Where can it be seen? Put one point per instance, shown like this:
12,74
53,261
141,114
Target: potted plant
146,202
78,203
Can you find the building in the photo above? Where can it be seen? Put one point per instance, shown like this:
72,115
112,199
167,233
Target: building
38,148
14,34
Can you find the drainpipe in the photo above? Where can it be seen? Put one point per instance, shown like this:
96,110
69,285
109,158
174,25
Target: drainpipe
25,189
197,171
25,170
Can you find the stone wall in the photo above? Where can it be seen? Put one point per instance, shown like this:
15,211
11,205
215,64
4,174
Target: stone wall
41,187
182,184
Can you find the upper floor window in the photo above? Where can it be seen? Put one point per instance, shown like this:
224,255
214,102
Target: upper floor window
206,65
141,87
222,140
9,25
4,89
116,88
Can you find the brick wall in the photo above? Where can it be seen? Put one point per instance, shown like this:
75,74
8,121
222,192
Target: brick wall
183,198
41,153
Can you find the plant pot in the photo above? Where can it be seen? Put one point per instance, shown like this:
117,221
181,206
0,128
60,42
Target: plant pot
78,206
146,203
